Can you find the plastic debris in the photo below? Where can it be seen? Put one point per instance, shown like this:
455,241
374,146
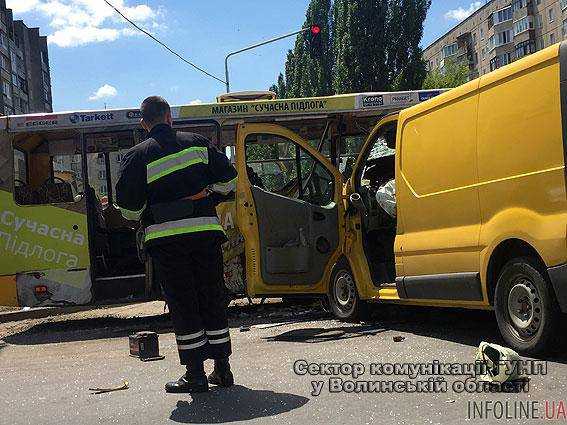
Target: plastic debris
501,363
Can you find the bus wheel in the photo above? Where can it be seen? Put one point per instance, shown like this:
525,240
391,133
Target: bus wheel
343,296
526,309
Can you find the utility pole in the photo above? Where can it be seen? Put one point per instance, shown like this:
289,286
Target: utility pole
315,30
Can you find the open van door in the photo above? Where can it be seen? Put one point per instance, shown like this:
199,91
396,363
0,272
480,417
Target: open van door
289,206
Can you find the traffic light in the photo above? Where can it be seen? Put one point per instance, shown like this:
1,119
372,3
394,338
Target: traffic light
314,41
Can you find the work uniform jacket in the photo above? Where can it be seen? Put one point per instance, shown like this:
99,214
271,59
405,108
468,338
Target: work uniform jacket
159,176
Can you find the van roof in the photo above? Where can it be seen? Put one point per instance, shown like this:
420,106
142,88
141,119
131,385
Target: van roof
502,73
382,101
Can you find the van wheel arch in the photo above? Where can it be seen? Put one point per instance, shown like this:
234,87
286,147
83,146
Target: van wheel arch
507,250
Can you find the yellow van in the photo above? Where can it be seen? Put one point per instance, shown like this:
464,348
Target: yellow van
481,209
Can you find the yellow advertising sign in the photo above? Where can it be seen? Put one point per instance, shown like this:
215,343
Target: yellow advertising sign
270,107
41,238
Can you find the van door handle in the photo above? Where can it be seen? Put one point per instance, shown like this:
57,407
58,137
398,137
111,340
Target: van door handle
318,216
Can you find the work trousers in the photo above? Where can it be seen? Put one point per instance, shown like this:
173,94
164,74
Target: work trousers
190,272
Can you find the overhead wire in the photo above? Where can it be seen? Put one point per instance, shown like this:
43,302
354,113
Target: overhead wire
165,46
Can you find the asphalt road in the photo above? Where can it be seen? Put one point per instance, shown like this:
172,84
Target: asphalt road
47,367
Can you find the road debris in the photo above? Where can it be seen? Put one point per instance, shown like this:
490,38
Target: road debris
122,387
145,346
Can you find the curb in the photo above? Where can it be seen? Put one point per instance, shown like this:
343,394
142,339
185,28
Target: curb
38,313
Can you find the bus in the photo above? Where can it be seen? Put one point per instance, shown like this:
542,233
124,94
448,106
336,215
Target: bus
64,242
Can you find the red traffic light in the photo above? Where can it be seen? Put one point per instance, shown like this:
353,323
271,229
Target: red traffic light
315,29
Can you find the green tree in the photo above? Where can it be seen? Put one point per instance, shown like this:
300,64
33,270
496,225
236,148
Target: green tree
360,37
405,56
279,89
309,75
367,45
454,74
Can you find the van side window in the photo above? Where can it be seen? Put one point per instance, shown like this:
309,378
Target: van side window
280,166
46,173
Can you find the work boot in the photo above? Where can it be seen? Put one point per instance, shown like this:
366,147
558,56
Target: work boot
222,375
194,381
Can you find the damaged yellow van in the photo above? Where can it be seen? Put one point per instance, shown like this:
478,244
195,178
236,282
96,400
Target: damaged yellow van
480,217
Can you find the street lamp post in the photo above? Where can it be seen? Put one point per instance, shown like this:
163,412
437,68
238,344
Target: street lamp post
314,29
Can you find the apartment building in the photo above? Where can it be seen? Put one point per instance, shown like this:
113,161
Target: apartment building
498,33
25,79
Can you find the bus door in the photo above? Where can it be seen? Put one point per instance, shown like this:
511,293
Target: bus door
118,269
43,218
289,206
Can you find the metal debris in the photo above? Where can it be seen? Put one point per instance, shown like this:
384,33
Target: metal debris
122,387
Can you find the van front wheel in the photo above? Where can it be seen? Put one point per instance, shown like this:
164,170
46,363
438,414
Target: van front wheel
526,310
343,296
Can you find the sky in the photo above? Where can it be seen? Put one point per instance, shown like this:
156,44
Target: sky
98,60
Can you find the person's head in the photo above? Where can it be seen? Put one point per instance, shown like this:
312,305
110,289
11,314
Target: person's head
155,110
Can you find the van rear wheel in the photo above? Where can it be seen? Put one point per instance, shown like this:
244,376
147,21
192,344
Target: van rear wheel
526,310
343,296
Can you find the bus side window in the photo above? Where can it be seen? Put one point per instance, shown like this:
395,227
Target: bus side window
47,172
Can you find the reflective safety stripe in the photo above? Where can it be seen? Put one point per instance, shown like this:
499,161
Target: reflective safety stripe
219,332
219,341
191,346
177,161
225,188
190,336
132,215
180,227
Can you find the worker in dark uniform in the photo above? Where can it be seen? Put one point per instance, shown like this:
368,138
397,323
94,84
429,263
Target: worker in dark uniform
173,182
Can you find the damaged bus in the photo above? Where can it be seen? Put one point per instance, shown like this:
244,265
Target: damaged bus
64,242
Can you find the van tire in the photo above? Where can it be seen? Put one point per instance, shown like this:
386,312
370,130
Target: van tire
526,309
344,301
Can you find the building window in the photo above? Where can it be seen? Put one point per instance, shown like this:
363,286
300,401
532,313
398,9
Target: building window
499,39
44,59
551,14
23,84
564,28
102,174
4,63
6,89
519,4
502,15
551,38
524,24
539,21
3,41
481,34
525,48
474,38
500,60
450,50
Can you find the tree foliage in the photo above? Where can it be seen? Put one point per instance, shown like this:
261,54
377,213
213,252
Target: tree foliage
367,45
454,74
